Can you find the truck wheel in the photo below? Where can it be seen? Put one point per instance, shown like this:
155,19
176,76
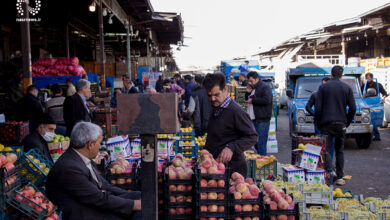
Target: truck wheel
363,141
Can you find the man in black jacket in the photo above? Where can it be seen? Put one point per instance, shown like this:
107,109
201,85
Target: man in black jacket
332,118
128,87
202,105
75,106
230,131
74,185
311,103
262,107
41,135
30,108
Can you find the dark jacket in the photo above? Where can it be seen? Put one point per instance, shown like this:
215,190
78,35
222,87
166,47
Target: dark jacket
243,83
234,129
262,102
188,90
202,104
374,86
332,101
311,103
35,140
130,91
71,187
75,111
160,85
29,109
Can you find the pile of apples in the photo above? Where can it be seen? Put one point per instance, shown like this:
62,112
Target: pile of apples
277,200
180,211
37,201
8,162
244,189
208,165
180,169
121,166
212,184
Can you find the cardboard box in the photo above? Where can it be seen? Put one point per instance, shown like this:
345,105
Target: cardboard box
272,146
119,146
315,176
293,174
54,145
310,157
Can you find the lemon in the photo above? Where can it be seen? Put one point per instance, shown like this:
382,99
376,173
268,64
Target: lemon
7,149
347,194
17,150
1,147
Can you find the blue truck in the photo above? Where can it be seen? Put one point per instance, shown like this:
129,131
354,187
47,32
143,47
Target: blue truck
302,82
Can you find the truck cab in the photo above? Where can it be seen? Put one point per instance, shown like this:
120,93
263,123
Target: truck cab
302,82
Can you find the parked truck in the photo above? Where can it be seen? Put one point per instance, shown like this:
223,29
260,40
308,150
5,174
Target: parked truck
302,82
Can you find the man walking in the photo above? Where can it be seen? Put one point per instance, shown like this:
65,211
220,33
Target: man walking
371,84
262,108
230,131
332,118
203,105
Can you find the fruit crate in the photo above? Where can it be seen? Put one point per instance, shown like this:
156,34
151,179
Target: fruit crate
269,214
100,116
187,198
13,132
344,197
317,196
35,167
368,216
308,216
233,213
126,181
265,172
27,206
9,180
220,195
18,150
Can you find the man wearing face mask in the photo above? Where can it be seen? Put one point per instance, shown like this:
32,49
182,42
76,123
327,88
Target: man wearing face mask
41,135
75,106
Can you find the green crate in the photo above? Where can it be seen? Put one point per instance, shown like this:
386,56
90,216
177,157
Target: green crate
264,172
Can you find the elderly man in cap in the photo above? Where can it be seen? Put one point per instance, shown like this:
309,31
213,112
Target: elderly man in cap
74,185
42,134
75,106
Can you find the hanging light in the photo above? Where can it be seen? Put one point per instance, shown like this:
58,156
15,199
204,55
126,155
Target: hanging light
110,19
92,7
104,12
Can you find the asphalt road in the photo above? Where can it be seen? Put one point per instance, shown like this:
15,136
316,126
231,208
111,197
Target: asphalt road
369,168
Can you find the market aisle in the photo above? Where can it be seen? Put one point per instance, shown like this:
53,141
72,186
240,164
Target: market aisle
369,168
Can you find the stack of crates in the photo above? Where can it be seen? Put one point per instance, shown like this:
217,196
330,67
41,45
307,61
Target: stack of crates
187,145
240,96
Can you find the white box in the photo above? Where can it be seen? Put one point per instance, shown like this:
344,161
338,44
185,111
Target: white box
272,146
119,146
315,176
310,157
293,174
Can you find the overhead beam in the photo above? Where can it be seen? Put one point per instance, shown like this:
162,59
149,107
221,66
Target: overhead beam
117,10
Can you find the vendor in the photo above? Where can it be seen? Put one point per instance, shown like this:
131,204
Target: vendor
42,134
75,186
230,131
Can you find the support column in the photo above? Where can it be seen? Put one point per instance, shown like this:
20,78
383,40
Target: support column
102,59
148,48
128,27
67,40
26,47
149,187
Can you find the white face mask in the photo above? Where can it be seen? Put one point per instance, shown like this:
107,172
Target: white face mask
48,136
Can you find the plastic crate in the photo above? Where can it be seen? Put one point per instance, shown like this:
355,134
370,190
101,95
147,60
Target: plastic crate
259,174
114,178
308,216
233,202
13,132
6,186
269,213
33,172
18,150
27,206
319,196
100,116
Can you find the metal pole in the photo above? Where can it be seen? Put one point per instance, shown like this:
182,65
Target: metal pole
128,50
67,40
102,60
148,49
26,47
149,187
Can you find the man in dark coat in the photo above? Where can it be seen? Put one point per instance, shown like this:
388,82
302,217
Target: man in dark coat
230,131
75,106
262,108
332,118
199,94
160,84
41,135
30,108
74,185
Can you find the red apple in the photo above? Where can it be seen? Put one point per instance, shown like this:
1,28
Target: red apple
221,183
212,208
203,208
203,183
203,196
172,211
181,188
238,208
180,211
212,183
189,188
247,208
221,208
221,196
172,188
